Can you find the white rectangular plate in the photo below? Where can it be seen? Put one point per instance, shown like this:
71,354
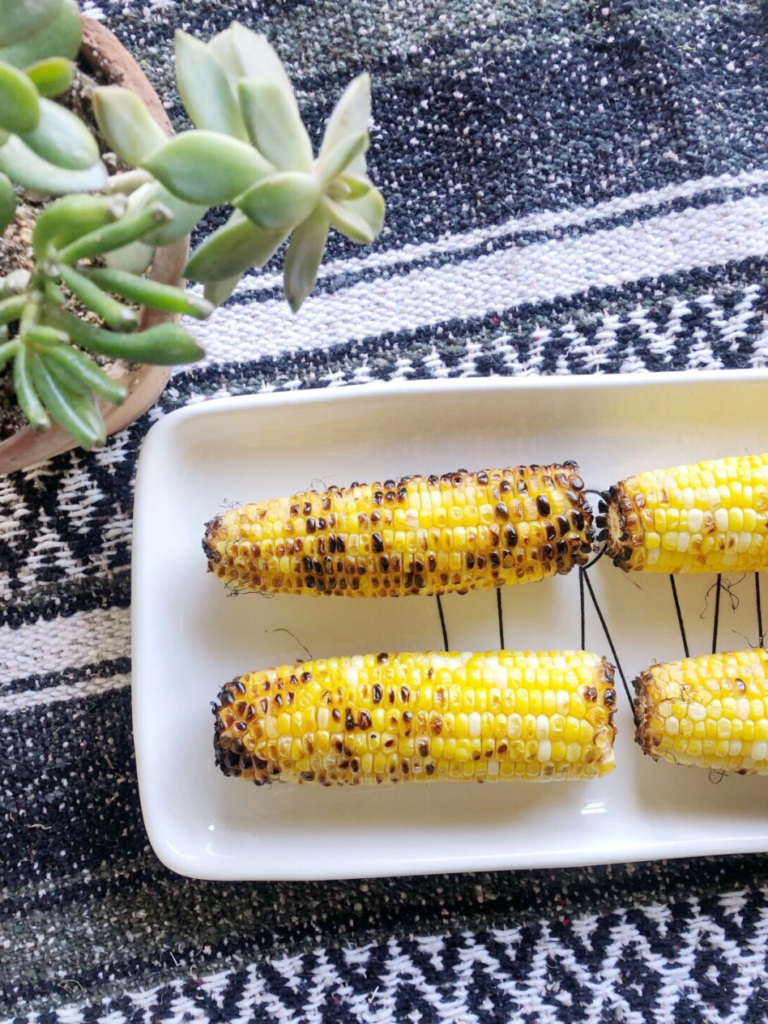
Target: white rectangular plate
189,636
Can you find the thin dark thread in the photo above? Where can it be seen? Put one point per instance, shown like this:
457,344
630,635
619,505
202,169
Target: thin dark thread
679,616
610,641
582,602
501,619
759,610
442,622
282,629
717,614
597,557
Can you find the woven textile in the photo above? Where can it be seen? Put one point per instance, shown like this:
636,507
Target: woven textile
573,187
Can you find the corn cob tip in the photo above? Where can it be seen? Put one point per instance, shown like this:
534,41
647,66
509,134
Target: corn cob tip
710,711
212,531
710,516
643,713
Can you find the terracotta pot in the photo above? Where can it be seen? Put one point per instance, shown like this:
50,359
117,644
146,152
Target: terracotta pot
102,52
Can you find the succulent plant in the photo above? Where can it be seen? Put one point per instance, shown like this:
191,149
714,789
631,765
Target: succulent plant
43,146
52,377
251,149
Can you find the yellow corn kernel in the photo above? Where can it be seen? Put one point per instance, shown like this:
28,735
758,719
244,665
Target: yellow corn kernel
722,699
385,717
697,527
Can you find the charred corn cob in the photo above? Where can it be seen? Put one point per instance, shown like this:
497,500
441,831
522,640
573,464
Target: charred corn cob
421,535
710,711
707,517
402,717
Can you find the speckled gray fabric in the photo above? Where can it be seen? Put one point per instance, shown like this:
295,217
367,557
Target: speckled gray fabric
572,187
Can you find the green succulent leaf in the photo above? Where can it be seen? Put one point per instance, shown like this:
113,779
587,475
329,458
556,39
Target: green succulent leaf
204,88
164,345
207,167
112,312
303,258
359,220
12,308
26,393
357,184
371,207
51,76
61,138
232,249
114,236
150,293
19,100
184,215
256,58
7,203
348,223
29,170
331,164
350,117
70,218
59,38
40,334
84,368
22,18
72,407
281,202
126,124
133,258
217,292
7,352
274,124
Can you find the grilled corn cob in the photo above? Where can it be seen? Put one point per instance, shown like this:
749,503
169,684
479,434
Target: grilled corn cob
710,711
421,535
708,517
402,717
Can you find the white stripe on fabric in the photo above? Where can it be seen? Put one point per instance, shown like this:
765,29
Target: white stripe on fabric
546,220
81,639
13,702
492,283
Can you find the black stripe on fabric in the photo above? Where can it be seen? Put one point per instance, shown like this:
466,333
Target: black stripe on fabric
518,240
253,921
624,107
23,606
518,326
105,669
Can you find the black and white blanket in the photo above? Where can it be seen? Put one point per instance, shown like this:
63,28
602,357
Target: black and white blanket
573,187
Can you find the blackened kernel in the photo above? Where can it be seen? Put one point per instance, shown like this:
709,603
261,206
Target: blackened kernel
502,512
522,487
307,508
378,693
547,552
278,700
471,559
549,531
577,519
577,483
311,525
589,693
542,504
226,697
430,769
482,561
336,715
306,677
432,563
562,525
495,560
349,720
377,543
378,497
405,693
610,698
365,720
264,705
